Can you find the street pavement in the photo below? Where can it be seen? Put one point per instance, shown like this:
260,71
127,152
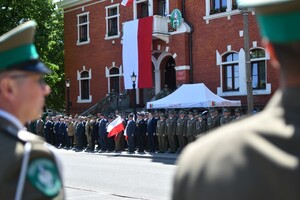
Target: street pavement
117,176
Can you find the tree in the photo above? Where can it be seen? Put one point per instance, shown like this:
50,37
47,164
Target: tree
48,40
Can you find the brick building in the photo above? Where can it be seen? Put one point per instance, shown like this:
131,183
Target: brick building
207,48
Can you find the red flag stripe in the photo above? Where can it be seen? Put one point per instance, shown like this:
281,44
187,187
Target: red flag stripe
144,52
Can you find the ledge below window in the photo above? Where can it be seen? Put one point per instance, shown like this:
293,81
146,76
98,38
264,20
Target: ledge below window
267,91
79,100
227,14
83,43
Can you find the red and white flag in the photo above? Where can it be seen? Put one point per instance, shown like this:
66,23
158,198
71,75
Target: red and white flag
127,2
137,43
115,127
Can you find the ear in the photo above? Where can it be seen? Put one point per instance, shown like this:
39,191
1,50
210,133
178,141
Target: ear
7,89
270,49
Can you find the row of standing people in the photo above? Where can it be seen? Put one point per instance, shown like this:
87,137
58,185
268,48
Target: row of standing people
150,132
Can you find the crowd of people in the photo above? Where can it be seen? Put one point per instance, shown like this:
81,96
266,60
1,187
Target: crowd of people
153,131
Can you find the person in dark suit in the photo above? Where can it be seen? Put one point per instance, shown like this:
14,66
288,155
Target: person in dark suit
102,133
141,131
29,168
257,157
130,132
48,130
80,131
151,131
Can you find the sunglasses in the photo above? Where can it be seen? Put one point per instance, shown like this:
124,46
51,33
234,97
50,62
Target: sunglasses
40,81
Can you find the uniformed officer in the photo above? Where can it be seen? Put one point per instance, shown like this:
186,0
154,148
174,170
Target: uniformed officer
29,168
213,121
161,133
226,117
256,157
201,126
171,124
181,130
191,128
237,114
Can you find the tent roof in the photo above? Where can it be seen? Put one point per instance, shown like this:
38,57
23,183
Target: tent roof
192,96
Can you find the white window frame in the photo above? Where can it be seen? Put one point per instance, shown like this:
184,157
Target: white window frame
83,24
268,85
108,75
79,79
150,7
242,73
110,17
229,12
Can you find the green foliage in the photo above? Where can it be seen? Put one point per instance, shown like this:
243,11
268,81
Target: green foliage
48,41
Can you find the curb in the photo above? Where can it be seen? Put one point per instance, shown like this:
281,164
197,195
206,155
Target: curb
161,156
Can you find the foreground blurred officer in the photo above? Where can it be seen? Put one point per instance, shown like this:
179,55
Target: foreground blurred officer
256,158
29,169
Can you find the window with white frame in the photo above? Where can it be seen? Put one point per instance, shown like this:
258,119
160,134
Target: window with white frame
161,7
230,68
113,75
84,78
112,21
258,69
220,8
83,28
142,8
114,79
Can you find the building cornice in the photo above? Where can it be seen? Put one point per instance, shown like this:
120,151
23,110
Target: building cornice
64,4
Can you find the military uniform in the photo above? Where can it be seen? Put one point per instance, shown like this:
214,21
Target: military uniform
161,134
181,131
201,127
191,129
213,121
25,151
29,168
225,118
171,124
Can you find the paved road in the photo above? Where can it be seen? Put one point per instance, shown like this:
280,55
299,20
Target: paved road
117,176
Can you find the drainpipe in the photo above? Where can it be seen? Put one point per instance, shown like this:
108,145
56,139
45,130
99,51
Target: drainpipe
190,38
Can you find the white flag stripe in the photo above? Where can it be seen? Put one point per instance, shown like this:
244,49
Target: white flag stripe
114,123
130,52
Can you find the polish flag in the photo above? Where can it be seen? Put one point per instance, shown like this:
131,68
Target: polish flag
115,127
127,2
137,43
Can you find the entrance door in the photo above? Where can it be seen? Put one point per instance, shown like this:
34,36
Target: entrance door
170,74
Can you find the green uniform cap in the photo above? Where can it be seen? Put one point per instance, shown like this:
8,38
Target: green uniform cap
17,50
278,19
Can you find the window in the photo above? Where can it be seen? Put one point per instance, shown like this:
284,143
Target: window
112,21
220,8
142,8
113,75
258,69
230,72
114,79
161,8
83,28
84,78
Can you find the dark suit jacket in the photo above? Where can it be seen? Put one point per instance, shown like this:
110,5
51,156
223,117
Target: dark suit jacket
131,129
102,127
151,126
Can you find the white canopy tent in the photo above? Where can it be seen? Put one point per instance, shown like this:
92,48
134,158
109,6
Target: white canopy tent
192,96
